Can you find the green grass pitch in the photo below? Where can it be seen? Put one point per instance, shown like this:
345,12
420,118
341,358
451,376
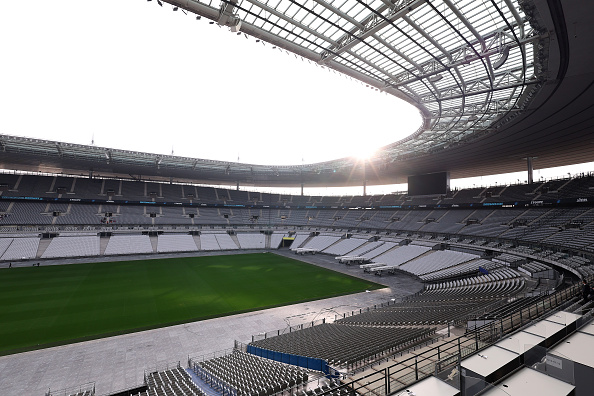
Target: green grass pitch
53,305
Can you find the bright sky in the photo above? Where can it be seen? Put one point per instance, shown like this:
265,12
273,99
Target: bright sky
132,75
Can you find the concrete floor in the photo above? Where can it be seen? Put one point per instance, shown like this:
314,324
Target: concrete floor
117,363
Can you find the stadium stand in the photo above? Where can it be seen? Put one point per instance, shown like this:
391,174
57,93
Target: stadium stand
72,246
225,241
397,239
396,257
436,261
175,243
239,373
276,239
468,267
366,248
128,244
299,240
382,247
4,244
343,345
500,282
422,312
208,241
344,246
21,248
321,242
171,382
252,241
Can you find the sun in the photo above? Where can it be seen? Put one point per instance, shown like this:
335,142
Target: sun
365,154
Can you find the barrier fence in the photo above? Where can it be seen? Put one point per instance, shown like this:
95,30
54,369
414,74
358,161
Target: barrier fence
295,360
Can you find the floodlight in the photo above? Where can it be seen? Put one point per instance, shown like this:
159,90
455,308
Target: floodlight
198,17
175,8
435,78
502,59
159,2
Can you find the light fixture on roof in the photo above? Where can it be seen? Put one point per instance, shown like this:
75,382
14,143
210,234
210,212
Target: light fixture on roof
159,2
211,22
435,78
237,27
198,17
502,58
175,8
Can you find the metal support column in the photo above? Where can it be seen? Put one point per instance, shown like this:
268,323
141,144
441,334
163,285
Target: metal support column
530,169
364,178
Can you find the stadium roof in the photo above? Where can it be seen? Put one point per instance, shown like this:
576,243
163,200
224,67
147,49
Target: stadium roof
495,80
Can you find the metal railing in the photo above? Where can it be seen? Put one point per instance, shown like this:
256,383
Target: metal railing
87,389
160,367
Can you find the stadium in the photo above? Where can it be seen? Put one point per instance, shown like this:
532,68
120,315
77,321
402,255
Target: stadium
130,273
